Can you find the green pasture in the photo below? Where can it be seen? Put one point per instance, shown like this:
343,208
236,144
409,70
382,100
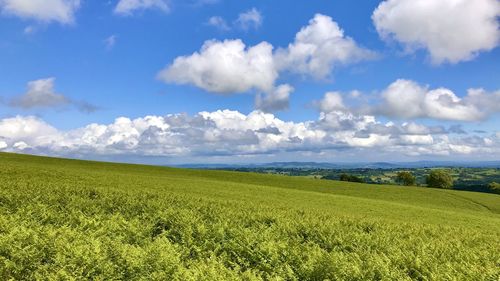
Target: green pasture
81,220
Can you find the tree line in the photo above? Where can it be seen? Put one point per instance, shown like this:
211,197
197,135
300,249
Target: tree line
438,178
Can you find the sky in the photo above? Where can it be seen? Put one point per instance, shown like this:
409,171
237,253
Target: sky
218,81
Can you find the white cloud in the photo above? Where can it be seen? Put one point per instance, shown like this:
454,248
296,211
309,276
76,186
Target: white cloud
225,67
219,23
451,30
276,100
29,29
18,130
41,93
408,99
231,133
403,98
462,149
320,47
229,67
487,102
415,129
62,11
110,42
128,7
250,19
442,103
20,146
332,101
416,139
345,121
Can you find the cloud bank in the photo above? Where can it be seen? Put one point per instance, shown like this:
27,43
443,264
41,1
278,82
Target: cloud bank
407,99
233,134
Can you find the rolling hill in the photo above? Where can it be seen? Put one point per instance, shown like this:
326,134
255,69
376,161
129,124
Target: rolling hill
70,219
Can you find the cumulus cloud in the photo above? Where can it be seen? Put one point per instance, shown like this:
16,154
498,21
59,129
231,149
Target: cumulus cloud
450,30
225,67
276,100
18,130
62,11
231,133
41,94
407,99
249,19
332,101
487,102
218,133
320,47
229,66
128,7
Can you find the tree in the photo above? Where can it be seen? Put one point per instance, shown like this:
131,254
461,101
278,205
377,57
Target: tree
351,178
345,177
440,179
405,178
495,187
356,179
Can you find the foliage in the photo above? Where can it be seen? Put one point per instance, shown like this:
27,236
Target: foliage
405,178
351,178
80,220
495,187
439,178
466,178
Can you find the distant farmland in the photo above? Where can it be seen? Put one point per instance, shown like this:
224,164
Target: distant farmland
67,219
465,178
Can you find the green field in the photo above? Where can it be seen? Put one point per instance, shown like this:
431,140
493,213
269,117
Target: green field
80,220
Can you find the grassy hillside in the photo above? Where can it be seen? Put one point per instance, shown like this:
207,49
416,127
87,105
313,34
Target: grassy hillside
69,219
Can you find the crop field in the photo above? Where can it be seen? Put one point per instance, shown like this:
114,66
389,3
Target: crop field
80,220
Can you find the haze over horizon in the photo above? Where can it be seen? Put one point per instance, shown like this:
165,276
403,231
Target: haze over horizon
213,81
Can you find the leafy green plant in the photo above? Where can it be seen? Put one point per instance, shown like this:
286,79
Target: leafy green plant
351,178
439,178
405,178
495,187
81,220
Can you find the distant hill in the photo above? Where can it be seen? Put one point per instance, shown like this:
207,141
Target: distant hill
349,165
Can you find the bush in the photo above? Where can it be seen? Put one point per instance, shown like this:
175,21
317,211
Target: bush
439,179
495,187
351,178
405,178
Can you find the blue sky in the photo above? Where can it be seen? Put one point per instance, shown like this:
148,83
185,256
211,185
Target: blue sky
96,61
